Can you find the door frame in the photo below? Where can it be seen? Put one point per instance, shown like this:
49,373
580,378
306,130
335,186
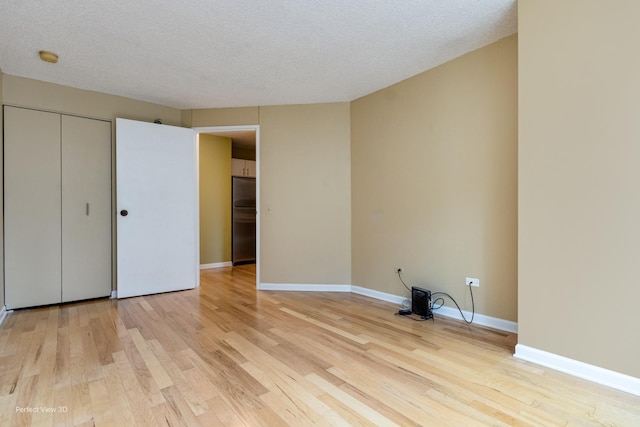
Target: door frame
256,129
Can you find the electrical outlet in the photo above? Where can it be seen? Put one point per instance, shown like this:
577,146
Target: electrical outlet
472,282
398,270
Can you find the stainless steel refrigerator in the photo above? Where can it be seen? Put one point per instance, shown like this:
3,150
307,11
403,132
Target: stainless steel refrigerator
243,220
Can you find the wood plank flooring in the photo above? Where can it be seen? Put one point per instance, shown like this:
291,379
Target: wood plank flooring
227,355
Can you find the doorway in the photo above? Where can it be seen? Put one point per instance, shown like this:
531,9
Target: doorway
245,143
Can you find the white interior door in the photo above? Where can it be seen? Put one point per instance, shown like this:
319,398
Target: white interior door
157,203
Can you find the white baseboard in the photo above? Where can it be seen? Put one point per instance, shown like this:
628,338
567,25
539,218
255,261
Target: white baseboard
579,369
216,265
480,319
114,295
3,314
583,370
303,287
383,296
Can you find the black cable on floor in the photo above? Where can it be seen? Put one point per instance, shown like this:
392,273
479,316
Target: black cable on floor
441,300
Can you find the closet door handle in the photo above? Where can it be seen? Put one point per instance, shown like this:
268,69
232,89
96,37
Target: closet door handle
87,208
124,212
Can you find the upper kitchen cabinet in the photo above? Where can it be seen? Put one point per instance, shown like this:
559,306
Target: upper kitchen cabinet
241,167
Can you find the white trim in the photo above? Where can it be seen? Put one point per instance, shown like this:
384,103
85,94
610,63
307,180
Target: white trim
479,319
196,159
303,288
114,294
372,293
209,129
3,313
256,128
579,369
215,265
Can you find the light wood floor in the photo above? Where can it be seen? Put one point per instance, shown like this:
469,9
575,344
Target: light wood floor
225,354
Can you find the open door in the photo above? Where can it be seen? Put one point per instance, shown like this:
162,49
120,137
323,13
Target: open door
157,203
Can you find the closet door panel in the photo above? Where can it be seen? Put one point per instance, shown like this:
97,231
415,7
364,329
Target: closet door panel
86,208
32,202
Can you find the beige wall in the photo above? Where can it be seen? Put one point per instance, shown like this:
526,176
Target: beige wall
29,93
215,199
305,210
579,179
434,181
222,117
305,194
35,94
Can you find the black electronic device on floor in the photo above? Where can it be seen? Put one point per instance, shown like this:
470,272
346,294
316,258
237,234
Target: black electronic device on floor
421,302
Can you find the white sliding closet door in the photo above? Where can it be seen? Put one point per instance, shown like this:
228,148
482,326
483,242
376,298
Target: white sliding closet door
86,208
32,201
57,202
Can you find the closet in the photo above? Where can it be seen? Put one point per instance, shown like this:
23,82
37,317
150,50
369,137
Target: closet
57,207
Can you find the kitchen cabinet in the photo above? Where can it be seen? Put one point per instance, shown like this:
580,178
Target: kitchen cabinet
241,167
57,202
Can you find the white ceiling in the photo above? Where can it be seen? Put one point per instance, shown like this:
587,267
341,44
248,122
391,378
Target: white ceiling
216,53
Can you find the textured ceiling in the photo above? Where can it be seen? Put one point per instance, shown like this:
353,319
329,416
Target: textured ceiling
217,53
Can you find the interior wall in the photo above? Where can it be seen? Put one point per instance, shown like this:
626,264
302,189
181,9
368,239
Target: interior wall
40,95
186,118
22,92
305,194
215,199
305,189
578,180
434,181
243,153
223,116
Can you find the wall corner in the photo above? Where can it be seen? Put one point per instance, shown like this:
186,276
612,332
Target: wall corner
186,118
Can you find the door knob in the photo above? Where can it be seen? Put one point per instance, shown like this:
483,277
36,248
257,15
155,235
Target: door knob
124,212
